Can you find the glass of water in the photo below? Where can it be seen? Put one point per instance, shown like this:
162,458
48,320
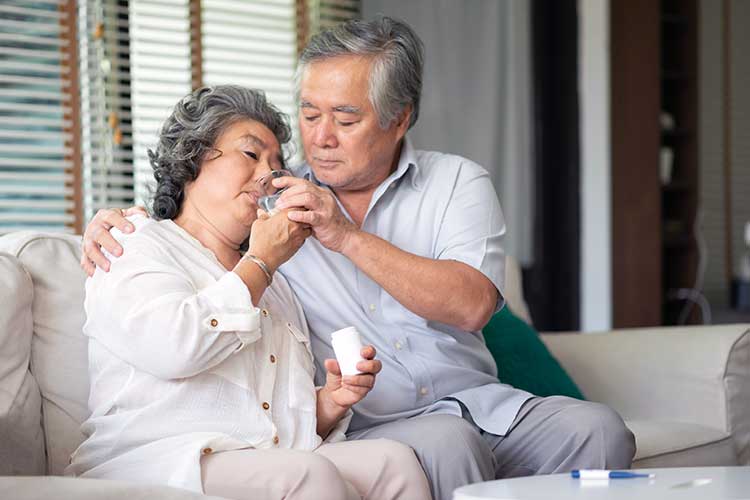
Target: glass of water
268,192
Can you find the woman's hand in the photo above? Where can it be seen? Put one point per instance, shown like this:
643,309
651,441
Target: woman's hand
341,392
274,239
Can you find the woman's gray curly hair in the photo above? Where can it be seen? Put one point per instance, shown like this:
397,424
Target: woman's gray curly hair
191,131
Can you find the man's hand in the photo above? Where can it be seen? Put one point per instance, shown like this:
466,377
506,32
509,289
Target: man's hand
97,236
341,392
321,212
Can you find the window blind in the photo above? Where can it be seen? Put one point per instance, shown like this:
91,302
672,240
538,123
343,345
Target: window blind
106,119
160,74
251,43
37,150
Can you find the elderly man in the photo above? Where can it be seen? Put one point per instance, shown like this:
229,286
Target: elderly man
407,248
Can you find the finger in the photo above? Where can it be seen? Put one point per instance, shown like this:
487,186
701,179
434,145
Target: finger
304,216
288,180
262,214
368,352
373,366
367,381
304,199
332,367
103,238
361,392
91,250
87,266
137,210
115,218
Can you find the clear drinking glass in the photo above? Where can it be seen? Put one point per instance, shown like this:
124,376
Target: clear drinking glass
268,192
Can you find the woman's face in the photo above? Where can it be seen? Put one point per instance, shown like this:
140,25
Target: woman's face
225,190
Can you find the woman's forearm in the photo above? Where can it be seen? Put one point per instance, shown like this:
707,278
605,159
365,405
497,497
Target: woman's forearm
254,278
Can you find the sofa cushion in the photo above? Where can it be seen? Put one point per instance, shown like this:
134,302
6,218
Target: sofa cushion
68,488
59,359
21,436
663,443
523,360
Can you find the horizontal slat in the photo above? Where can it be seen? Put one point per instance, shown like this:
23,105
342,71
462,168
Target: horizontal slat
32,12
34,94
47,26
46,81
25,67
8,228
50,109
114,192
19,203
31,135
34,163
34,40
60,190
258,46
282,10
47,218
255,35
245,57
24,121
231,18
29,149
275,75
54,55
59,177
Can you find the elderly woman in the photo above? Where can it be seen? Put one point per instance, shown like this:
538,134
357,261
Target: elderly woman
201,370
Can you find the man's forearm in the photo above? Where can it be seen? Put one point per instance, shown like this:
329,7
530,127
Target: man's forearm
446,291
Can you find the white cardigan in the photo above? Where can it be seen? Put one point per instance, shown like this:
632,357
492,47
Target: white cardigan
182,363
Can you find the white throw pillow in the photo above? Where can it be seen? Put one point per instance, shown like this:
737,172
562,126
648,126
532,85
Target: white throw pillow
59,359
21,436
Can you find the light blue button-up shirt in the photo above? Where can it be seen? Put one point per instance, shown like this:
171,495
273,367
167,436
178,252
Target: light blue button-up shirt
437,206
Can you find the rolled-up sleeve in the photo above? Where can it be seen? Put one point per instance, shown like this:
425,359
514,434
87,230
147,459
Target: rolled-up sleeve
473,226
149,314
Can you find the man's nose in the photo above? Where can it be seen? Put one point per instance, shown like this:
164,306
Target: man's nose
325,134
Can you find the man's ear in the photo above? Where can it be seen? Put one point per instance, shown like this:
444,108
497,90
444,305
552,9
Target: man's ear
402,122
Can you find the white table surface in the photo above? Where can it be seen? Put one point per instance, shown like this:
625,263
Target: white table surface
685,483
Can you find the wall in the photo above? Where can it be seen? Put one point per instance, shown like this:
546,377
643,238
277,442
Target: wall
596,227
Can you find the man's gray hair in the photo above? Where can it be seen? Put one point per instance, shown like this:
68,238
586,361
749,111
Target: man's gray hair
397,56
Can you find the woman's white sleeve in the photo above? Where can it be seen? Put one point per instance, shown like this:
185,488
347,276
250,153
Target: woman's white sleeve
149,314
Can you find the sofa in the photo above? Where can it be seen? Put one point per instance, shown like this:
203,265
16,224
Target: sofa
685,392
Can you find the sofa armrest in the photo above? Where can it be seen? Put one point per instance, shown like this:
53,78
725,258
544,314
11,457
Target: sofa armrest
697,374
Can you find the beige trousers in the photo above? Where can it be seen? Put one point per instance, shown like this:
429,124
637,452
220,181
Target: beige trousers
377,469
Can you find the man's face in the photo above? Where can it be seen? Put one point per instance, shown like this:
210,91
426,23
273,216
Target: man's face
343,141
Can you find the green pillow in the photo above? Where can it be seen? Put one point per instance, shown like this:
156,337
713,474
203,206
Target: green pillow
523,361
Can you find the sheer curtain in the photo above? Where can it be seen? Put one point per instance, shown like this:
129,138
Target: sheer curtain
476,100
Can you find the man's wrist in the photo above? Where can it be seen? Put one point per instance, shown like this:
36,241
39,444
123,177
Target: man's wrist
351,242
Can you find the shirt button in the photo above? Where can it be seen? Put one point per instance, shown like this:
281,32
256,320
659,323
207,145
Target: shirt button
398,345
423,391
372,307
214,323
273,358
276,440
264,312
266,405
207,451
